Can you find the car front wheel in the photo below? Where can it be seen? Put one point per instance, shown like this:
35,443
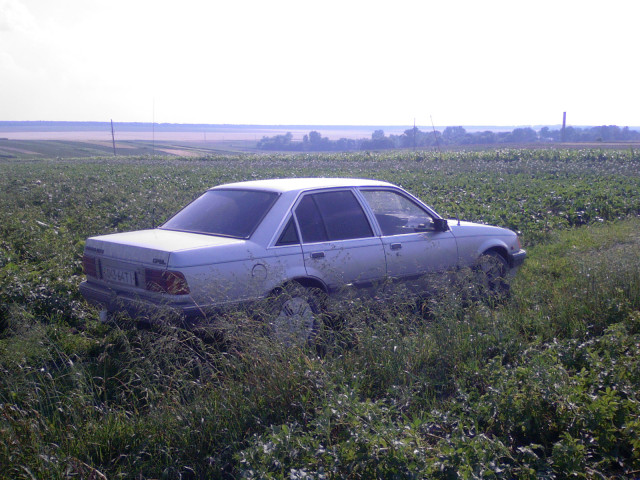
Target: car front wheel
491,276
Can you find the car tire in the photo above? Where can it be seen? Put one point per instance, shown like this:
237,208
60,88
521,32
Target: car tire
295,314
491,276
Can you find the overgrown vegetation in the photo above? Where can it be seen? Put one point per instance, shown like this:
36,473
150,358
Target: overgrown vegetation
542,386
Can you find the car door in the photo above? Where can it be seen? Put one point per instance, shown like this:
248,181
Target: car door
338,242
413,246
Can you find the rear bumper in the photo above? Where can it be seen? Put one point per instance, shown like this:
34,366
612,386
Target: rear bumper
139,306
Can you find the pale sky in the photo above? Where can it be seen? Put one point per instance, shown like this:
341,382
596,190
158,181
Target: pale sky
465,62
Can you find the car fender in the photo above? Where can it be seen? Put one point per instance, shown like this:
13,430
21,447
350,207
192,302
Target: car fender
469,254
294,274
313,273
308,281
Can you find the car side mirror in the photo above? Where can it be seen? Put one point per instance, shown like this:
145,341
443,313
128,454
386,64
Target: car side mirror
440,225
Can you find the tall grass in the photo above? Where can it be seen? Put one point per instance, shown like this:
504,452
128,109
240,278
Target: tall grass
542,385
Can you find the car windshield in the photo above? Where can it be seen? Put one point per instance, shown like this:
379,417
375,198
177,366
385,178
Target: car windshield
230,213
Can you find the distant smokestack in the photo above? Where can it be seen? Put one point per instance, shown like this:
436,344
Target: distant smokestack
564,125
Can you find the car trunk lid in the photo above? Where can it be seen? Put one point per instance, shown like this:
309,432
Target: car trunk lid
150,247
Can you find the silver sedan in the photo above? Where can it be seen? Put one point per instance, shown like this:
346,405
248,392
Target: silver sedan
295,239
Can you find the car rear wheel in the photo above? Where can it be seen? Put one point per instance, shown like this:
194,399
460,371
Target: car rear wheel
491,276
295,314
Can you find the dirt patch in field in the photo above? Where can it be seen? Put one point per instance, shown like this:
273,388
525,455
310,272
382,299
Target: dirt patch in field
9,150
119,146
180,153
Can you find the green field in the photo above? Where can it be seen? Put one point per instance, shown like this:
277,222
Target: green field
545,385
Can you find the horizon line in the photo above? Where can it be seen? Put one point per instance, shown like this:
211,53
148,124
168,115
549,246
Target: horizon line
300,125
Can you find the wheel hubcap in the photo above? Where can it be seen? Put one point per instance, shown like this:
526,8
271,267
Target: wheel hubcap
295,322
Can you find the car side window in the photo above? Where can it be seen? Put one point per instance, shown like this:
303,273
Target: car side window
329,216
397,214
310,221
289,234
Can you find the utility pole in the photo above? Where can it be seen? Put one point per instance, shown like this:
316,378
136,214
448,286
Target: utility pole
414,133
113,139
153,128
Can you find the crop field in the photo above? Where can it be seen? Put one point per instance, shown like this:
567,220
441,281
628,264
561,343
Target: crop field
86,148
27,140
544,385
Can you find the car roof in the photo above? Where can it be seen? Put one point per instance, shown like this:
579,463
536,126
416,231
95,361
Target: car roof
299,184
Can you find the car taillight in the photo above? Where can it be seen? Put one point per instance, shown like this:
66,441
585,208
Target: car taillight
166,281
89,265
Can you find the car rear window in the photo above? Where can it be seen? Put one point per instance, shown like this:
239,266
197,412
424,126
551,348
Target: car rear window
230,213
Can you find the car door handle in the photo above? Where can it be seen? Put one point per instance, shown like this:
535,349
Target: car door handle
396,246
317,255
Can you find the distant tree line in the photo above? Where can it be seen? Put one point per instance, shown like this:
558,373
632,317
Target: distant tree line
313,142
450,136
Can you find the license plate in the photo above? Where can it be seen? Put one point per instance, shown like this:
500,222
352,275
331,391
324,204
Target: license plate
118,275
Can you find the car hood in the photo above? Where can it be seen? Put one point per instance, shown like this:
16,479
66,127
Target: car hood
462,228
156,247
